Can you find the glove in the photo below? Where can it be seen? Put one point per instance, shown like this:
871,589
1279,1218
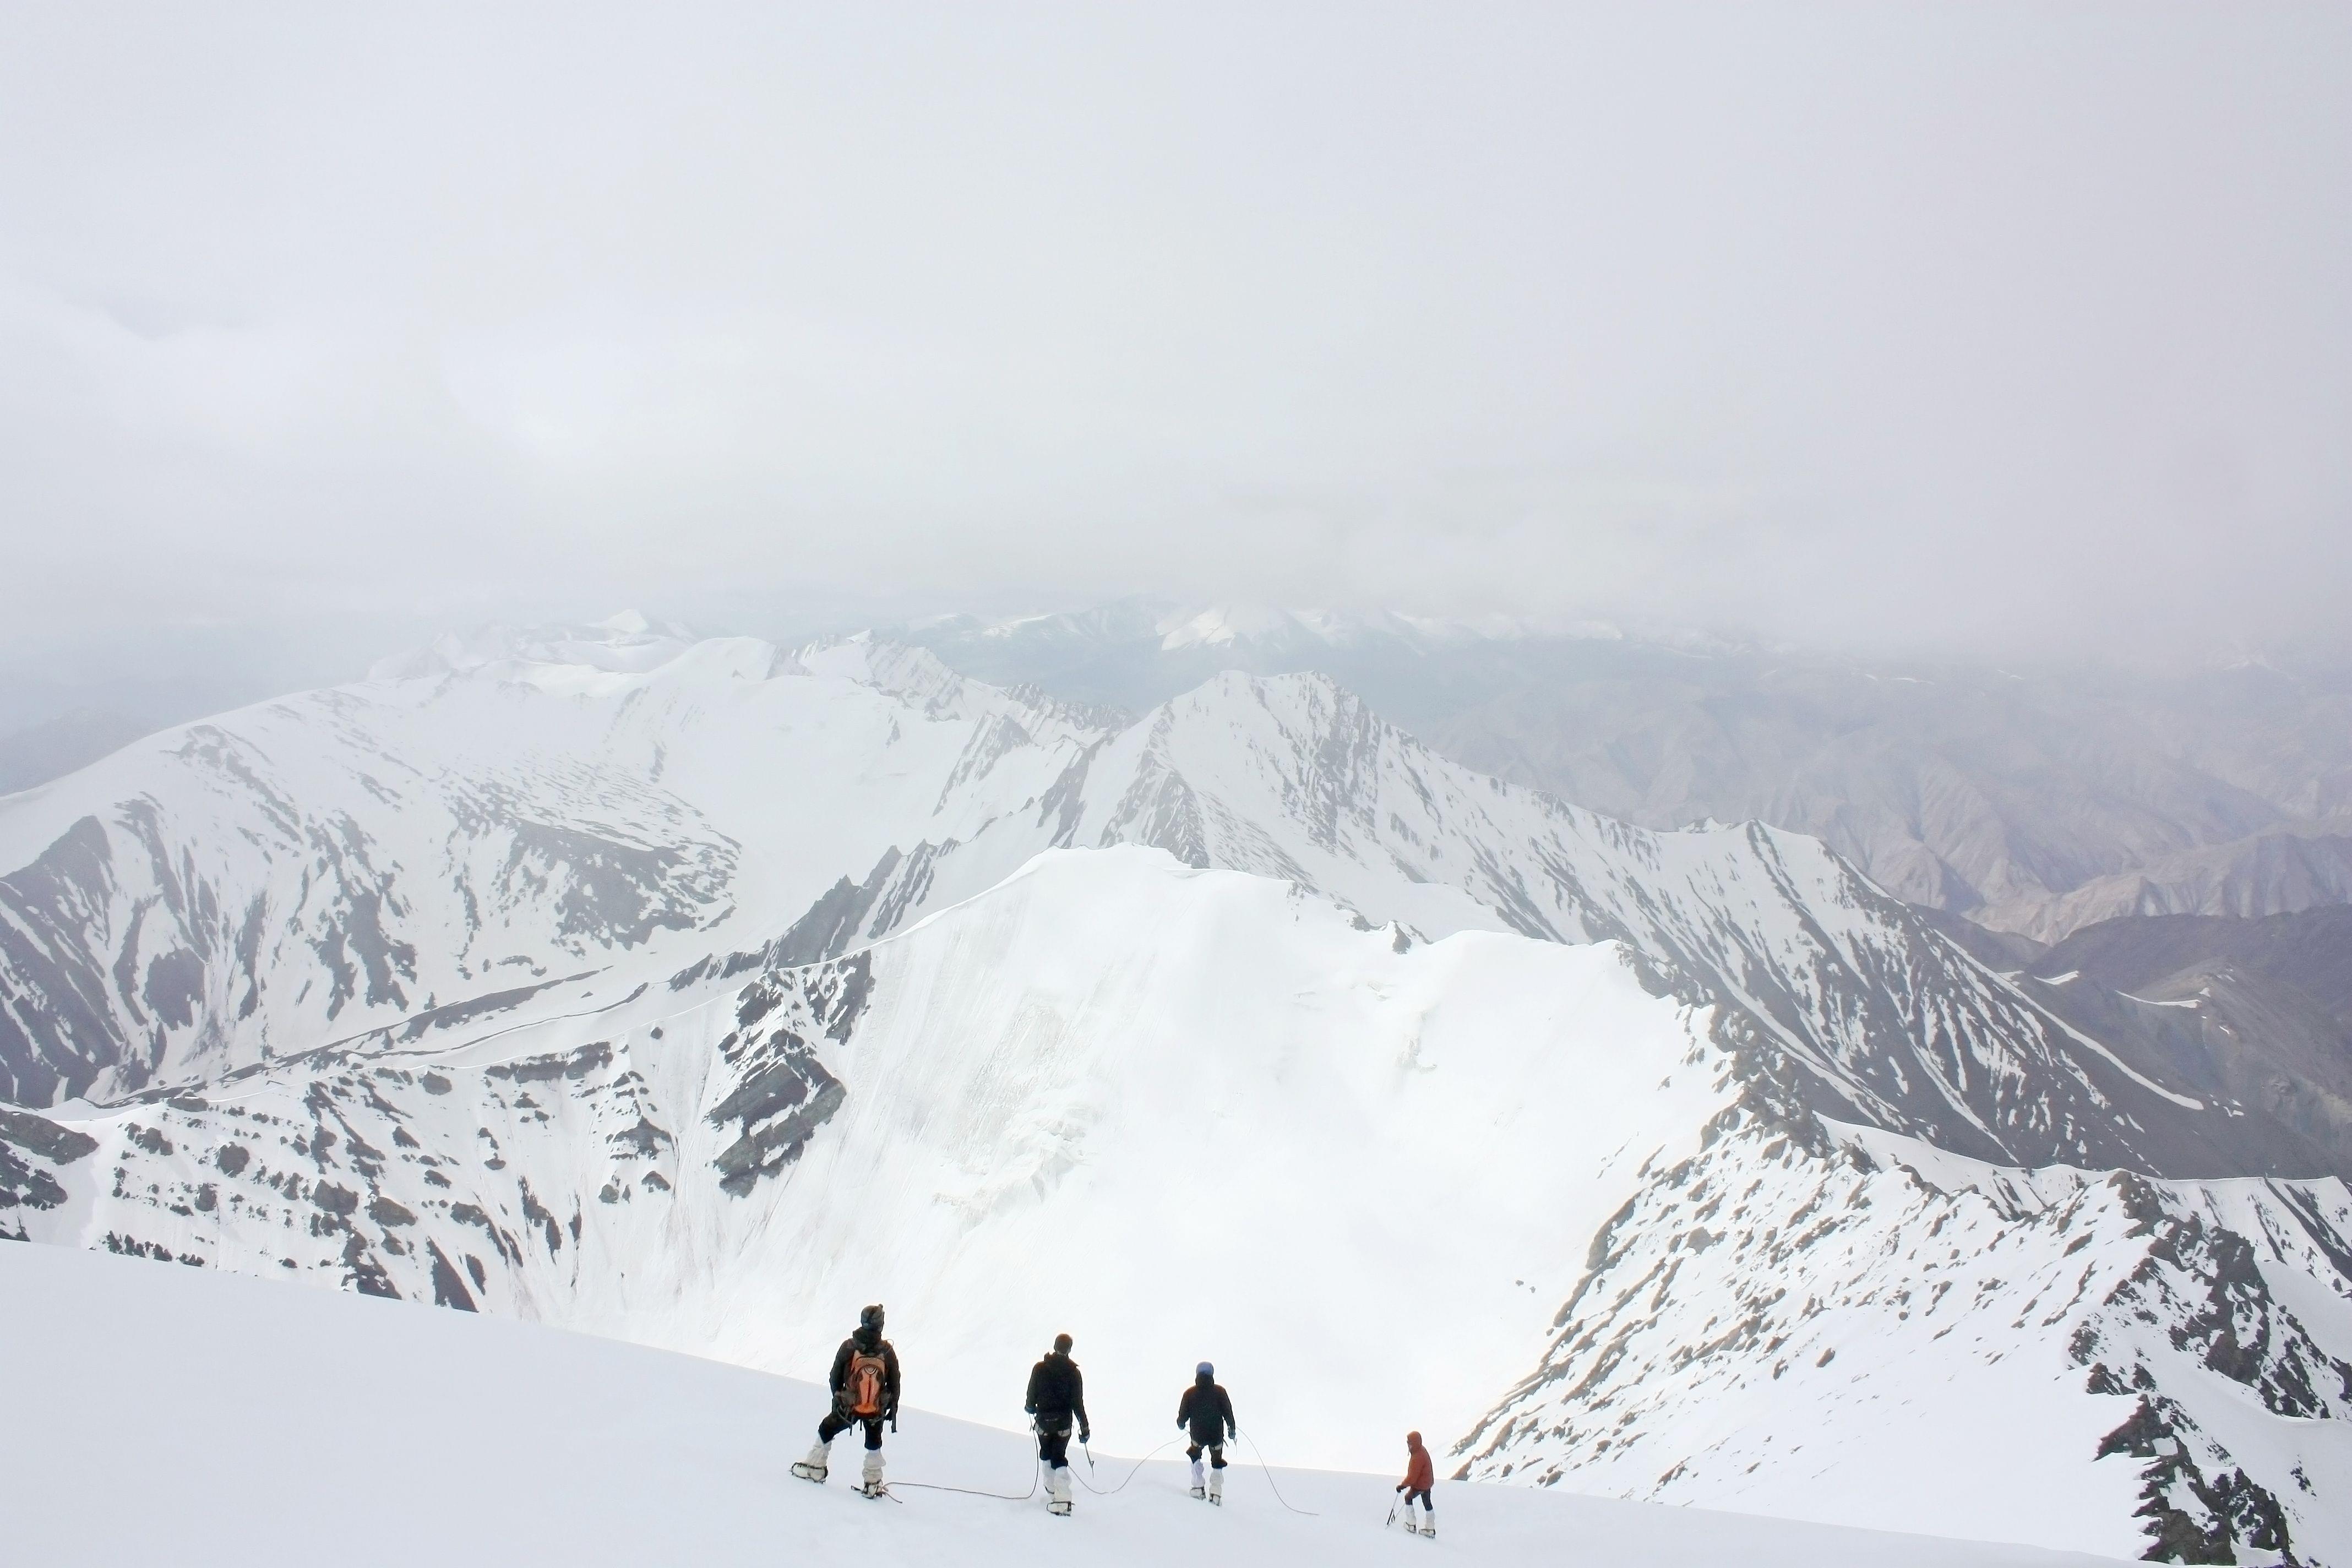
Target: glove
1085,1437
1030,1408
1400,1486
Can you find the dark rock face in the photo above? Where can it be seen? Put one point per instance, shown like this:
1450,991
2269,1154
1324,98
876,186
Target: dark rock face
32,1151
783,1093
36,1136
56,1027
604,894
2193,1517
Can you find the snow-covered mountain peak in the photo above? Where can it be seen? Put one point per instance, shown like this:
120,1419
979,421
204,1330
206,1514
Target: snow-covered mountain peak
1221,624
510,807
915,676
626,623
1187,633
1272,630
627,643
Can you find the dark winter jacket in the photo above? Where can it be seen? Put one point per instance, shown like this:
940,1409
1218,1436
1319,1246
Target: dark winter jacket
872,1343
1207,1412
1056,1394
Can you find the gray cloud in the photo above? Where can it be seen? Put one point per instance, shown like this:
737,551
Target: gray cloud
2013,327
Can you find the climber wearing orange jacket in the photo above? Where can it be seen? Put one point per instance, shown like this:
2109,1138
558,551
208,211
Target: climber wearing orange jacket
1420,1475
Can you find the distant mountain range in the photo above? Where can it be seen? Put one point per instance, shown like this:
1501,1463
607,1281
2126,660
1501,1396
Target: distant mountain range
2036,803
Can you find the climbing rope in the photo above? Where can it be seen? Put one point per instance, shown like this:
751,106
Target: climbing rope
1106,1491
1099,1491
1284,1502
969,1492
975,1492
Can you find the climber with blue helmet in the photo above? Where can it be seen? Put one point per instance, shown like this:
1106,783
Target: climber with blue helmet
1207,1414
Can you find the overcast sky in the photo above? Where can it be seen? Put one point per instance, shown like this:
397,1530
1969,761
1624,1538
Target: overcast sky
2005,327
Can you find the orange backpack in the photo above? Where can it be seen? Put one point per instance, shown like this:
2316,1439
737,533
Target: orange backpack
863,1390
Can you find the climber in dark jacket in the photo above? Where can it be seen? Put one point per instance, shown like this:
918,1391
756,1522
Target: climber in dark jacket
1057,1397
854,1403
1207,1414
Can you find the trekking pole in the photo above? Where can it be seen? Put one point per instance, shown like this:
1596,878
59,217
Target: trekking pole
1391,1518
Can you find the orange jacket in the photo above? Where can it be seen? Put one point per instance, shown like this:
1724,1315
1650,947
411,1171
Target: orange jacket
1418,1472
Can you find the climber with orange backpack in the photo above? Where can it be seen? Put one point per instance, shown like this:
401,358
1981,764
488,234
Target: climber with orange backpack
864,1392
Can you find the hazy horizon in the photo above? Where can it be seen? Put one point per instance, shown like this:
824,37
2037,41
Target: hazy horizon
2003,331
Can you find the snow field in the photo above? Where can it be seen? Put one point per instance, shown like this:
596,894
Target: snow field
176,1416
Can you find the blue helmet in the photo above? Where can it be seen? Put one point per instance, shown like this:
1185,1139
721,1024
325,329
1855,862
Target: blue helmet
1205,1370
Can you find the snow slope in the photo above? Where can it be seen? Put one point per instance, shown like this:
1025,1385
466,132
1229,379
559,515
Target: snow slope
274,1427
1183,1113
1781,1330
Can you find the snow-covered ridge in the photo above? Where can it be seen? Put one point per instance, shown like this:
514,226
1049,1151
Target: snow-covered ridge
340,861
1788,1329
627,643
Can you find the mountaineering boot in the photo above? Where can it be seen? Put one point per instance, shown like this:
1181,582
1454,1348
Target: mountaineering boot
871,1482
813,1467
1198,1491
1057,1492
1217,1486
1429,1526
